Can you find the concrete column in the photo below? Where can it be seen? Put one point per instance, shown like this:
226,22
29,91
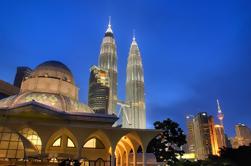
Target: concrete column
121,160
117,160
79,152
144,158
43,154
135,158
127,159
113,160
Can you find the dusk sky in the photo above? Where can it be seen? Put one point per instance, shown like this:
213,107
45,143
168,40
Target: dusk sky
193,51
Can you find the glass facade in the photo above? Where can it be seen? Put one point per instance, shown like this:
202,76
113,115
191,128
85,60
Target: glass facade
98,95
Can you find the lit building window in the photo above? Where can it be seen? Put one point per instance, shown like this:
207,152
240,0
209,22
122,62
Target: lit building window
33,137
94,143
11,145
57,142
70,143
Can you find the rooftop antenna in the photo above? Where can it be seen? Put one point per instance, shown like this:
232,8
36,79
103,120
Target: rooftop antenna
133,33
109,29
109,23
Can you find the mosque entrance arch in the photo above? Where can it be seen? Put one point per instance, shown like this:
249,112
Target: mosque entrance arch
96,149
62,145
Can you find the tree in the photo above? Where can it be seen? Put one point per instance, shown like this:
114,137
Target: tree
167,145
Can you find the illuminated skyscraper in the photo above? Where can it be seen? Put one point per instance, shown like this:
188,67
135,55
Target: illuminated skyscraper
135,89
190,134
220,136
108,61
243,134
98,96
202,136
213,136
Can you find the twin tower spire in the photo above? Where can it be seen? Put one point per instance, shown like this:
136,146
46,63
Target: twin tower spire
135,98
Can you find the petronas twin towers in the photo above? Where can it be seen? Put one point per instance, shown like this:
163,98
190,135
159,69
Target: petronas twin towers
135,112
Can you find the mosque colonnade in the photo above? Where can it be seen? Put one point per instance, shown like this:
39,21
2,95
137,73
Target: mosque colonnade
109,146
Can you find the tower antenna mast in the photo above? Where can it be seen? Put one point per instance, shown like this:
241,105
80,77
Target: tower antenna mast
220,114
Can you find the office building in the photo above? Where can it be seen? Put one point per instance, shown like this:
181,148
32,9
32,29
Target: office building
202,136
190,134
98,96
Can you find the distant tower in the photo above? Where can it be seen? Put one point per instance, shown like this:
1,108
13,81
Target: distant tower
108,61
219,129
220,114
98,96
135,89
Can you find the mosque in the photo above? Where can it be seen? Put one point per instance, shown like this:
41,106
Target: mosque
45,124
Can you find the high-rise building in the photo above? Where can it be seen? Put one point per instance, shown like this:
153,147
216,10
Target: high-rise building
190,134
21,73
243,135
242,131
98,96
135,89
213,136
220,136
202,136
108,61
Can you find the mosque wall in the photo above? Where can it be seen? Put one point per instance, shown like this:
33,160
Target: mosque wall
50,85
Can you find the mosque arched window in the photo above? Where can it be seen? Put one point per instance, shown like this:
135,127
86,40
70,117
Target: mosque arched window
33,137
11,145
70,143
94,143
57,142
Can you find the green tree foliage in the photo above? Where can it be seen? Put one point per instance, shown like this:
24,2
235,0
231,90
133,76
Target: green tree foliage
167,144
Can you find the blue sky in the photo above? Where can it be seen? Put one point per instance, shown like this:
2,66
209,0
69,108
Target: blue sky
193,51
